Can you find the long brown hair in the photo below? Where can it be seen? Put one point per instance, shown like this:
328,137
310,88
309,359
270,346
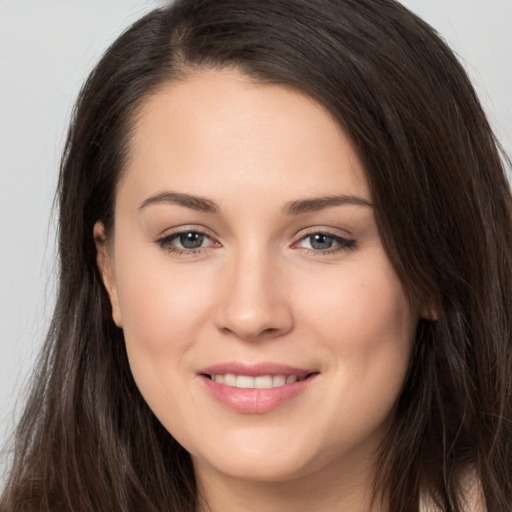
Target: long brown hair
87,440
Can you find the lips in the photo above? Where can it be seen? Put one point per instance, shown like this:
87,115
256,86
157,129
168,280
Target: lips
257,388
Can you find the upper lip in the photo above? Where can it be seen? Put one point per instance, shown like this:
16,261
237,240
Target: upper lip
254,370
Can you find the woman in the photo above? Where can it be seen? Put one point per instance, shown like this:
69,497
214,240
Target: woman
285,245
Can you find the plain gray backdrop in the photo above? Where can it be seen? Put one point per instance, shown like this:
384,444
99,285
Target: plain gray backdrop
47,48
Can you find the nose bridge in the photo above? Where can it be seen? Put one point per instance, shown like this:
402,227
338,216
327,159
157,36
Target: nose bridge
253,302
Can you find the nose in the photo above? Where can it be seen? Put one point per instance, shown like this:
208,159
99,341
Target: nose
253,302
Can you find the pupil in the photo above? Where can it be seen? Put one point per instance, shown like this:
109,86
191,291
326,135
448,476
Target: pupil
320,241
191,240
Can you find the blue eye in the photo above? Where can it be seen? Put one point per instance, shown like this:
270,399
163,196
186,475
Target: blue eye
190,240
186,242
326,243
320,241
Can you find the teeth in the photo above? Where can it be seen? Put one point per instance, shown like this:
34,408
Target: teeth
278,381
243,381
291,379
263,382
229,379
260,382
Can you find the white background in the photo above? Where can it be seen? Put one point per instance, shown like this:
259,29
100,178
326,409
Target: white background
47,48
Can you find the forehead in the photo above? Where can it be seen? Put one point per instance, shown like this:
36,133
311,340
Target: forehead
221,127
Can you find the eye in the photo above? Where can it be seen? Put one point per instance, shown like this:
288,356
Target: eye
186,242
324,243
191,240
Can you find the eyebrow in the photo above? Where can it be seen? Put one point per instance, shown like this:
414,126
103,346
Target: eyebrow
297,207
193,202
320,203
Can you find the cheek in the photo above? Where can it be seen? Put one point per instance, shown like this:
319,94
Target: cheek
363,308
366,322
162,312
162,309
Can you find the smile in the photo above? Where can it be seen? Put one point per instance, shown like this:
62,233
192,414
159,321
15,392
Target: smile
259,382
255,389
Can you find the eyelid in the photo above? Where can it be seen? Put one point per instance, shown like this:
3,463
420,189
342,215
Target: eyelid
185,228
326,230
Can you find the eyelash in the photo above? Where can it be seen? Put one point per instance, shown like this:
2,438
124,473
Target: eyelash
342,244
166,242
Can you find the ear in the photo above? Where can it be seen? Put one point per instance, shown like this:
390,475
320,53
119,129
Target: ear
104,260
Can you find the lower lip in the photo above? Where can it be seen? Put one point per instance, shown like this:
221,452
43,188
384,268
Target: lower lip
253,400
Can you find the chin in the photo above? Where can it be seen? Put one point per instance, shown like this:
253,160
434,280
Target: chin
259,468
264,459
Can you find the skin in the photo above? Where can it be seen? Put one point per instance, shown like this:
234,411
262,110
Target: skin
257,290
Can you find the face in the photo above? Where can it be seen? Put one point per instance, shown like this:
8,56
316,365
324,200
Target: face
264,323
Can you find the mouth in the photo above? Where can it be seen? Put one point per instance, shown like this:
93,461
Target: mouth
256,388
